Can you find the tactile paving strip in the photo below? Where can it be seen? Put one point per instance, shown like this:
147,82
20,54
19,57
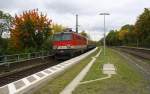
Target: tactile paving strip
47,71
19,84
4,90
40,74
31,78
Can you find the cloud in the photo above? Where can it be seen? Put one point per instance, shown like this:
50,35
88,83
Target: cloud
63,12
96,35
6,4
62,7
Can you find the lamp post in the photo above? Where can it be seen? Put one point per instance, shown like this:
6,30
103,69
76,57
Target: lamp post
104,14
77,23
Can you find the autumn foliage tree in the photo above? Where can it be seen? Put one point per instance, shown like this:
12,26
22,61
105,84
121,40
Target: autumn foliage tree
56,28
142,28
31,29
83,33
132,35
124,36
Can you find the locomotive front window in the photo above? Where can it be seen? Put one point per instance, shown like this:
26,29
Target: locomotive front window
66,37
57,37
61,37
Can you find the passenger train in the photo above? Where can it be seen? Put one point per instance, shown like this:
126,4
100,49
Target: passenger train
68,44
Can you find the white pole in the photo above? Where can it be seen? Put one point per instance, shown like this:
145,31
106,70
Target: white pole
104,36
104,41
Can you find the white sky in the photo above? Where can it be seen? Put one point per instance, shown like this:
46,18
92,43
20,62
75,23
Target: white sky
63,12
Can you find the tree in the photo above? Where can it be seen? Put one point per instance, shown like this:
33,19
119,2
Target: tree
4,27
142,27
57,28
112,38
126,34
84,34
133,35
31,29
122,34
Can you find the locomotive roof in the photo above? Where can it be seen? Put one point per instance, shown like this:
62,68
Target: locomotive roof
70,33
64,32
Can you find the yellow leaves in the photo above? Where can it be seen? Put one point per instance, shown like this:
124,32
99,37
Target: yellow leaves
57,28
84,34
27,24
122,34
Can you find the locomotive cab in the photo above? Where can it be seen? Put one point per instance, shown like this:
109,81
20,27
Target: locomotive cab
62,41
68,44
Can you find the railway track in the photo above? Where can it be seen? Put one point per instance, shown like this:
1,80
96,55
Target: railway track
10,76
13,76
139,52
138,58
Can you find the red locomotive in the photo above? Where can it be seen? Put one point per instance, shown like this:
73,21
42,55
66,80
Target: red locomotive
69,44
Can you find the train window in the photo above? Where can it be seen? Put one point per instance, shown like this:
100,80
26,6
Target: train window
66,37
61,37
57,37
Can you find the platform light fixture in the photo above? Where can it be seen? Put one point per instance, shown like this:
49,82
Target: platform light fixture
104,41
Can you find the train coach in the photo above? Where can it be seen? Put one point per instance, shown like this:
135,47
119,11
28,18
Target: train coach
68,44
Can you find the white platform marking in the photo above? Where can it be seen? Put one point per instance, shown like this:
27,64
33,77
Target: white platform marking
76,81
12,88
108,69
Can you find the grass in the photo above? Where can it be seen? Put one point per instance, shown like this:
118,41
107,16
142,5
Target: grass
96,70
126,81
56,85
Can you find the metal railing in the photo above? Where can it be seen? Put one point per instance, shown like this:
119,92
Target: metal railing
8,59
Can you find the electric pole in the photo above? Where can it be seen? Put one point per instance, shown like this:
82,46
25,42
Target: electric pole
104,14
76,23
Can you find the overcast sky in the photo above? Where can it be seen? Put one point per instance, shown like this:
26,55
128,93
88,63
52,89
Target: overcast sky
63,12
